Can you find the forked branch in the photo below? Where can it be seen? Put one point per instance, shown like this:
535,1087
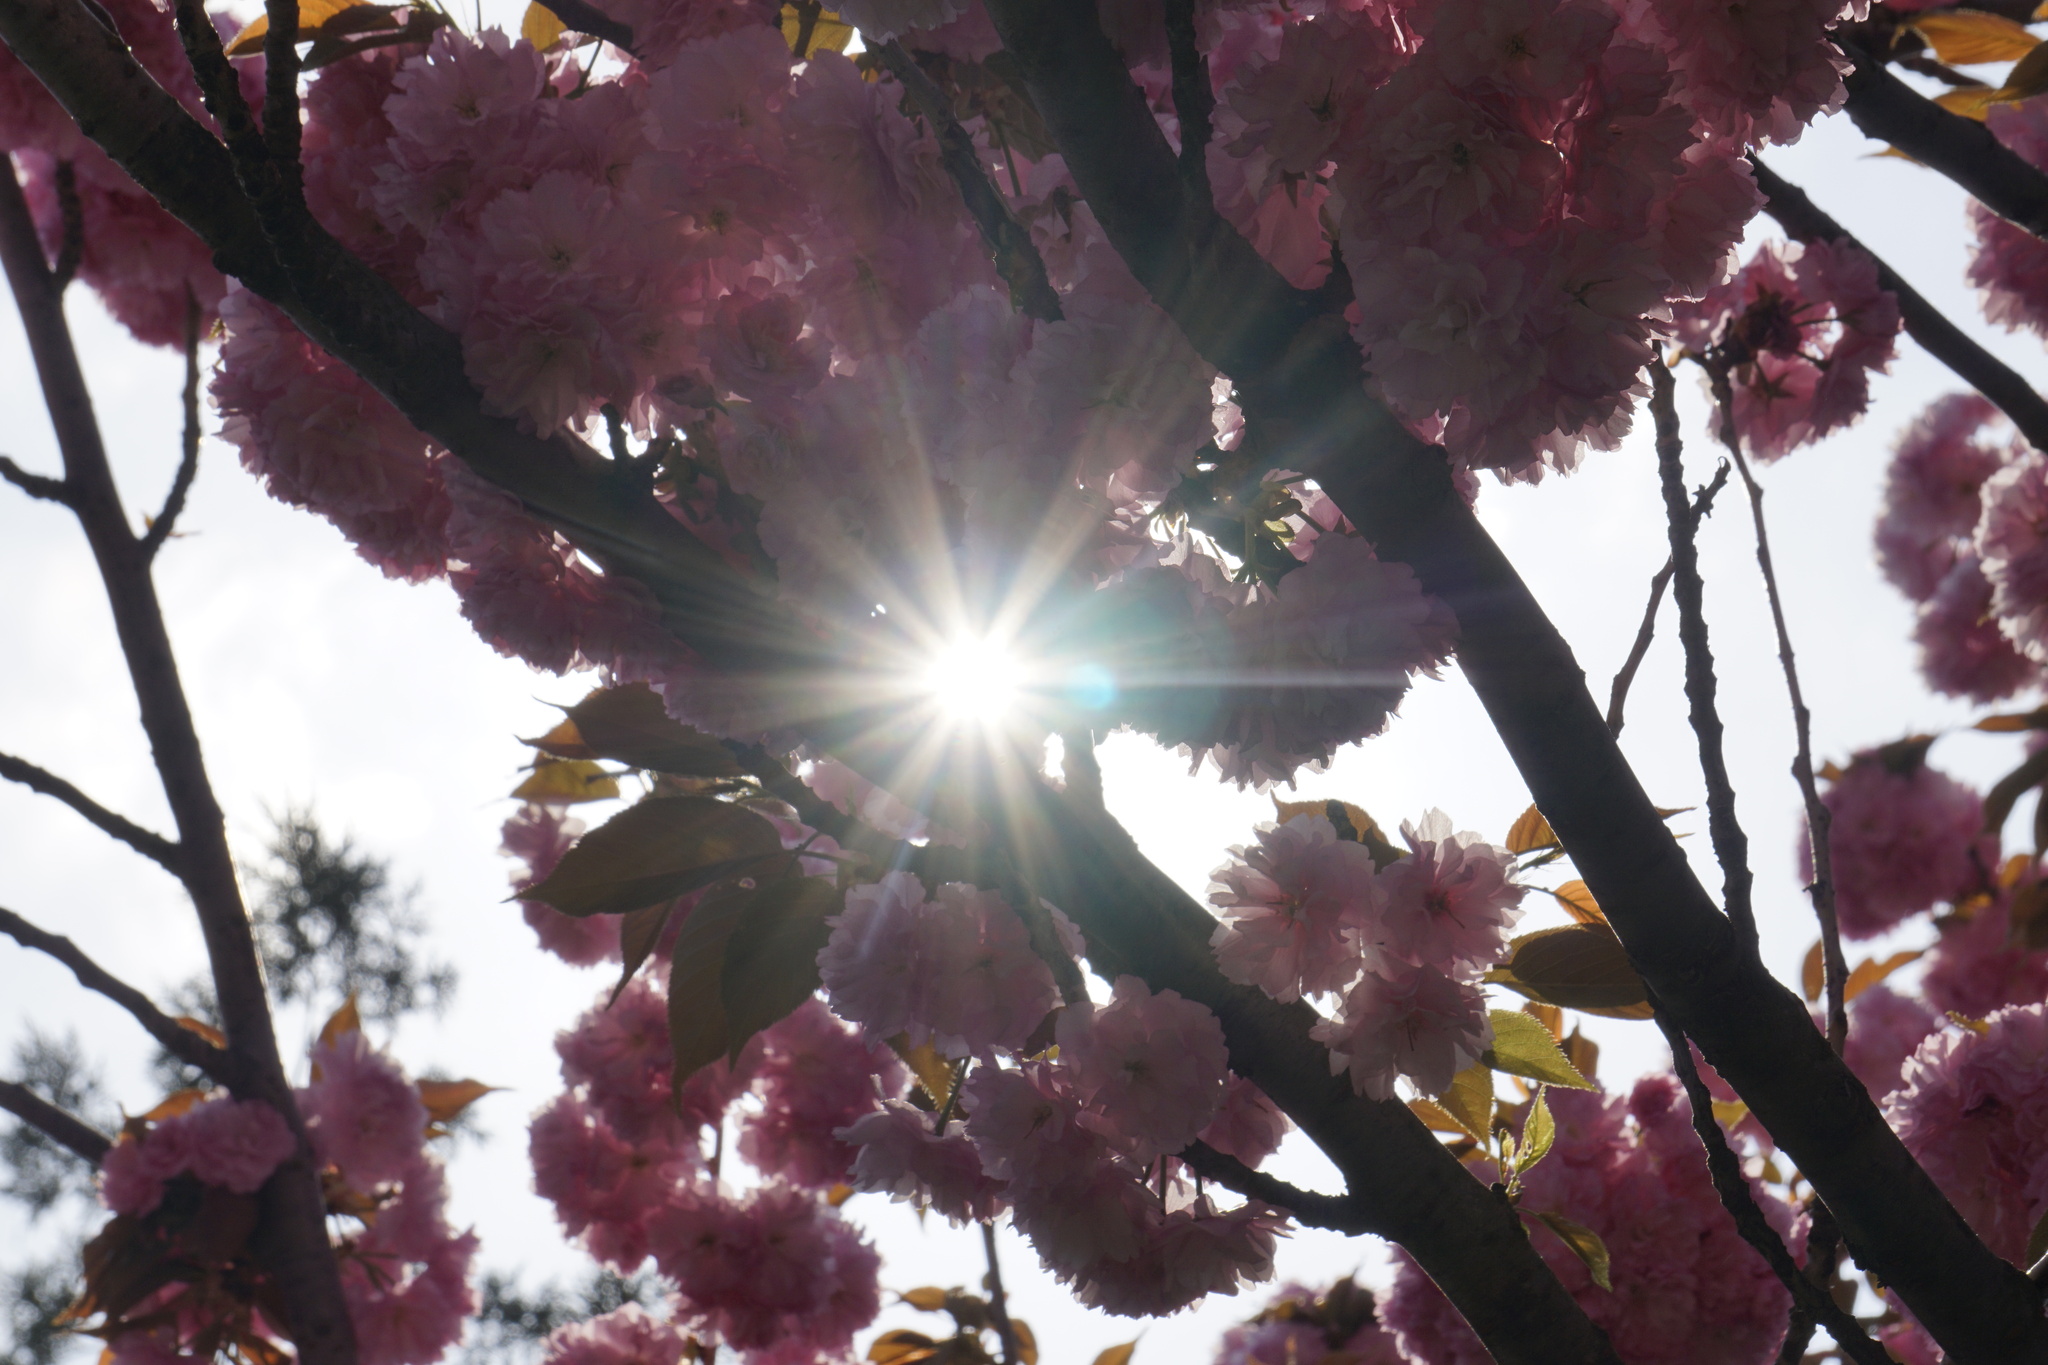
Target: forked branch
150,845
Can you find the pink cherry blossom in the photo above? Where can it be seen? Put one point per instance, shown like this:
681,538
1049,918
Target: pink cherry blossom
900,1155
1414,1022
624,1336
1885,1028
1288,901
2012,543
1448,904
815,1076
1149,1067
1932,493
364,1116
1965,650
1975,968
236,1144
1248,1126
1904,837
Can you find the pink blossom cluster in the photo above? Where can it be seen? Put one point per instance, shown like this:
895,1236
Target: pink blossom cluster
2009,265
234,1144
1800,330
1290,1331
1974,1111
1903,837
956,969
1400,948
537,835
1687,1288
1976,967
1927,546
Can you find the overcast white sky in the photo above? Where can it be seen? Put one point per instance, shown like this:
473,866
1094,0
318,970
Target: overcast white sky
317,682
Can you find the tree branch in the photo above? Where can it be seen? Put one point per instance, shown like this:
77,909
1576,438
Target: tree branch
68,1131
1008,241
1339,1213
1885,108
150,845
1194,98
1294,377
1819,820
188,460
584,17
1926,324
35,485
176,1039
1617,693
1737,1198
1731,845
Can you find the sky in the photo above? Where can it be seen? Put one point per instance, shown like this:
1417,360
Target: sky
317,683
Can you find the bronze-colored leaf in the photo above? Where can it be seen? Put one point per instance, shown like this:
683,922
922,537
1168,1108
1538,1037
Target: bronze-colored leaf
656,850
2028,78
565,781
202,1028
2028,908
541,27
1530,832
1523,1047
839,1194
934,1073
1027,1341
1435,1118
1585,1244
1971,37
1583,1053
312,14
347,1019
1550,1016
901,1347
1117,1355
639,931
1868,974
1577,899
1578,966
2014,722
696,1012
1352,823
827,31
630,725
771,959
1961,1020
445,1100
1728,1113
174,1104
929,1299
564,741
1813,973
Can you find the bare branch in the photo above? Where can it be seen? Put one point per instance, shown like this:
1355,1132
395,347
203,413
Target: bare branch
188,460
1340,1213
281,127
35,485
1819,819
1736,1197
150,845
1194,99
72,214
1886,108
998,1301
1008,241
1731,845
177,1040
1926,324
1617,694
60,1127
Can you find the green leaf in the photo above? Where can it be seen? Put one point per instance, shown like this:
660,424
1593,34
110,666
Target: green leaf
1580,967
1523,1047
540,27
565,781
1539,1133
696,1011
1470,1100
771,960
1585,1244
655,851
631,725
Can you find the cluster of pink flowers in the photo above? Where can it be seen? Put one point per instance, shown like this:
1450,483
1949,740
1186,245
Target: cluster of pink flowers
1300,1327
1629,1168
1904,837
1401,947
1801,329
2009,264
234,1144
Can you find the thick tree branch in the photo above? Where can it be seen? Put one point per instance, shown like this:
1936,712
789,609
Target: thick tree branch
1737,1198
1887,109
177,1040
1194,98
35,485
1819,820
1008,241
1731,845
1926,324
68,1131
1294,379
1339,1213
149,844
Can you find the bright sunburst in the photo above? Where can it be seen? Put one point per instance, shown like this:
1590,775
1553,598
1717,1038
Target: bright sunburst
974,679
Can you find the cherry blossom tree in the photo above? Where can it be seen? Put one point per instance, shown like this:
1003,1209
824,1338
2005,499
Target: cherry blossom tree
1140,362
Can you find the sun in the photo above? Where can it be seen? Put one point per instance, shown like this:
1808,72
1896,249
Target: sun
974,679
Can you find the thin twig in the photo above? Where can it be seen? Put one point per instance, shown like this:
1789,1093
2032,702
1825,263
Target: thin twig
1818,817
177,1040
1617,695
71,250
1194,99
998,1305
281,127
188,461
35,485
1926,324
1823,1249
1740,1202
583,17
1008,241
40,780
67,1130
1731,845
1341,1213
